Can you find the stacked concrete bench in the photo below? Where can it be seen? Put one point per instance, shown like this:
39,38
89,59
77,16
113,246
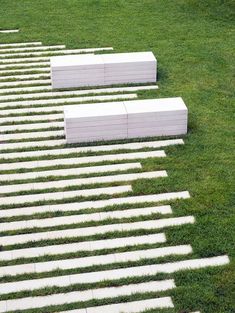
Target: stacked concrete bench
125,119
106,69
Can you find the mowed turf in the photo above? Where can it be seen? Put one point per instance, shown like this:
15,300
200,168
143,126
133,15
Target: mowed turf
193,42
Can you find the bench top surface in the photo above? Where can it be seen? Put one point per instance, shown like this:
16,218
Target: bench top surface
124,108
66,61
95,110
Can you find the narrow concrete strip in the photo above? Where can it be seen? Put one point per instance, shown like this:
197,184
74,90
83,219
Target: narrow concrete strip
82,246
25,77
35,103
20,44
9,61
32,118
24,65
25,83
52,52
122,257
7,147
63,195
129,307
81,218
24,70
31,135
72,171
35,58
99,293
31,187
9,31
84,160
72,92
95,230
37,48
110,147
32,127
75,206
93,277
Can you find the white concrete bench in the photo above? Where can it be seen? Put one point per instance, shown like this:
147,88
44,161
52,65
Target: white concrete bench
104,69
125,119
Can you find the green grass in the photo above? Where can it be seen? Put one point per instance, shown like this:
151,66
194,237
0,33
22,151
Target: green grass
194,43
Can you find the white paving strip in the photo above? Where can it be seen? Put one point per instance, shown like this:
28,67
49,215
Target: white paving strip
76,206
128,146
84,160
24,65
18,61
29,119
52,52
23,77
24,70
25,83
82,246
99,293
96,230
31,187
63,195
34,126
71,171
20,44
47,58
122,257
28,144
30,135
63,100
24,89
93,277
37,48
73,92
128,307
9,31
81,218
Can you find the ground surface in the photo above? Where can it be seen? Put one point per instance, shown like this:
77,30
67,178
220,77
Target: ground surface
193,44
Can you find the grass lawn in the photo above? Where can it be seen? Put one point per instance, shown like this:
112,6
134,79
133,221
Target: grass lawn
194,45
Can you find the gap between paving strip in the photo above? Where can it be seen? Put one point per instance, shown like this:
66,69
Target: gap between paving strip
32,187
60,101
51,53
72,171
90,245
128,307
21,44
83,160
63,195
110,147
99,293
25,82
93,277
94,230
81,218
77,206
30,135
34,126
25,77
37,48
74,92
122,257
35,58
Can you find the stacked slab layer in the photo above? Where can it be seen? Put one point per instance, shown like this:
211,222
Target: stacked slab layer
106,69
125,119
